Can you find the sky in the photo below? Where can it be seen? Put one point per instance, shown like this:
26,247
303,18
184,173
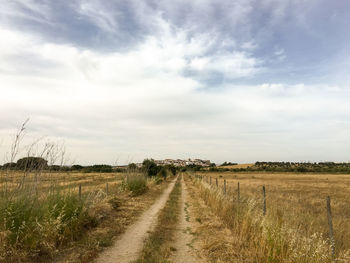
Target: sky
122,80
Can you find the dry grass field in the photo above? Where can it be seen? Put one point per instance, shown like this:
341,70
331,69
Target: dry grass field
44,216
240,165
64,181
297,201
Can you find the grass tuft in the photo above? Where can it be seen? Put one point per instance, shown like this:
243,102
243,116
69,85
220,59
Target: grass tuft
136,184
33,226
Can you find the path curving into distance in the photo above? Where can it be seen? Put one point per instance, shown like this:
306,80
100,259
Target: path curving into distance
129,245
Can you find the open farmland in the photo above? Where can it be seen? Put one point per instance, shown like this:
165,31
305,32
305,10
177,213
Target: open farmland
296,201
65,181
191,217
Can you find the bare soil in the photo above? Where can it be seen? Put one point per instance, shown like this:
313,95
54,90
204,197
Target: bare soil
128,246
184,237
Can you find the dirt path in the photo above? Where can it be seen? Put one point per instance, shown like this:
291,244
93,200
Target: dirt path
184,237
130,244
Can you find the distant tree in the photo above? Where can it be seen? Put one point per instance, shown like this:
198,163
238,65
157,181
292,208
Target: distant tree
171,168
99,168
150,167
9,166
32,163
193,167
302,169
163,172
132,166
102,168
228,163
77,167
55,167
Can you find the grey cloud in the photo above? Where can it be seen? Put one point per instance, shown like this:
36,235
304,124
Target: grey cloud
68,22
158,78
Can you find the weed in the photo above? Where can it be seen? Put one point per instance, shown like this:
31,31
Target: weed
136,183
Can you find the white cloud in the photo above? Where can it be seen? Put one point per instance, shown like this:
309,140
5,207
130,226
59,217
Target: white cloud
231,64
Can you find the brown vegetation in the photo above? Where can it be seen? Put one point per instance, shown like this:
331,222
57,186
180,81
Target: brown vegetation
44,216
296,211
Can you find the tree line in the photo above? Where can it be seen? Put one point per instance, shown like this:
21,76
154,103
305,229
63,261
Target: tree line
148,167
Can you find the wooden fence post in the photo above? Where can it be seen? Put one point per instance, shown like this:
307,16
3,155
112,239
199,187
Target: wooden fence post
107,188
224,186
80,191
238,197
330,224
217,184
264,196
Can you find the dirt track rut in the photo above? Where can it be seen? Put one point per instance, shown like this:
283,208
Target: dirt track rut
128,246
184,237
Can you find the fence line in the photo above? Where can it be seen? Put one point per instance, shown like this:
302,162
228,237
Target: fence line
329,210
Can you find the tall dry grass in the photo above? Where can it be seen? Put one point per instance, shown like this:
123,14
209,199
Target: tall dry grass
39,213
135,183
269,238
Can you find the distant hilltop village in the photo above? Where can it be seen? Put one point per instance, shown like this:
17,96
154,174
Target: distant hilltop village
183,163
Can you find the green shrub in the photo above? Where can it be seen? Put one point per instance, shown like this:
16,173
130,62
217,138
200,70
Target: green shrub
137,184
171,168
162,173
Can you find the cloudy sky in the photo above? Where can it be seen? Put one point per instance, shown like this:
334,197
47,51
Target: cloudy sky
241,80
